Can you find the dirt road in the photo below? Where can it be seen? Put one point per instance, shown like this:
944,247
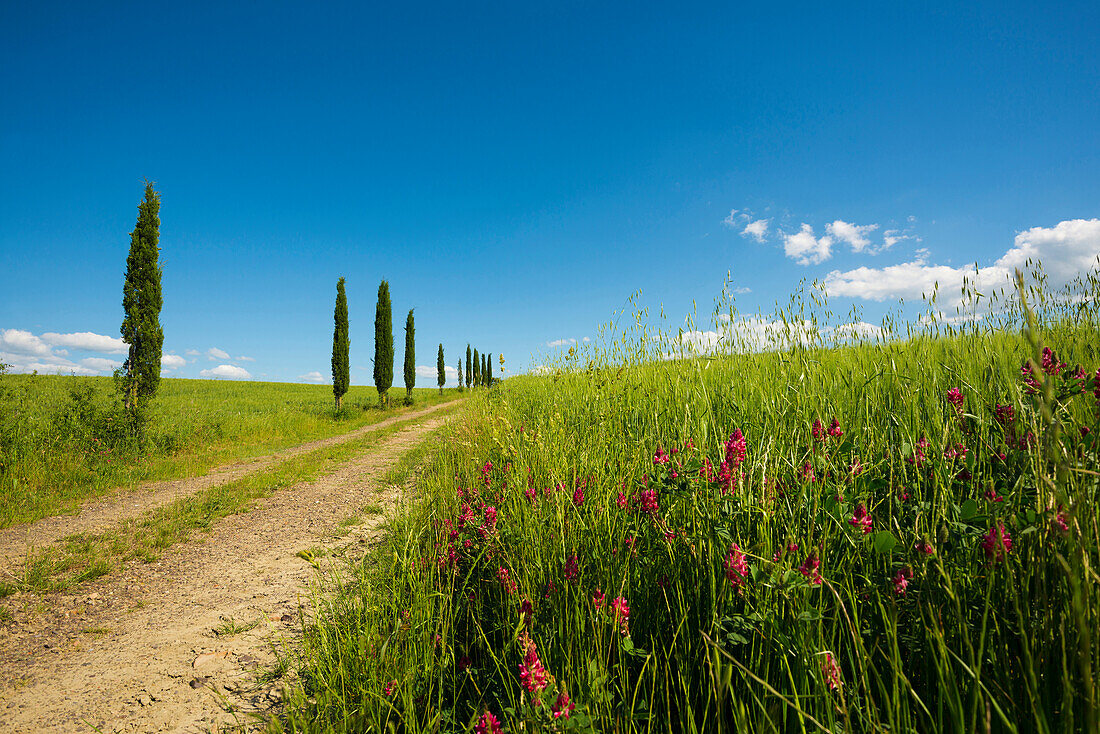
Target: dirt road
138,650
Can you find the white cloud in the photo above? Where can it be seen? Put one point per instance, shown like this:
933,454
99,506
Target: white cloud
734,219
806,249
561,343
213,354
854,234
192,352
243,358
100,364
172,361
540,369
23,342
891,237
1066,251
88,341
757,229
314,377
228,371
742,290
450,373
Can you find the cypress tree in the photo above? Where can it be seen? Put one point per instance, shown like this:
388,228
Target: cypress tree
460,374
489,371
441,369
383,343
469,369
410,358
141,301
341,376
477,370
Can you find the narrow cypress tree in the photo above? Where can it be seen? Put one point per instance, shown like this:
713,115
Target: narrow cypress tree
469,369
489,371
383,343
341,375
142,300
410,358
477,370
441,369
460,374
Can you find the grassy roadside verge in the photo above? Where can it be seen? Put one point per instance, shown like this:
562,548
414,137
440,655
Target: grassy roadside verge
62,439
88,556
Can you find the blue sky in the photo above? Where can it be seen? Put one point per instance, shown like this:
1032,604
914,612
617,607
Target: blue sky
518,170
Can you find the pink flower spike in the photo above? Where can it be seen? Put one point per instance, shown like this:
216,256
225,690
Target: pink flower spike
901,580
831,671
660,457
955,397
737,567
834,429
810,569
861,519
578,496
598,599
997,543
562,706
488,724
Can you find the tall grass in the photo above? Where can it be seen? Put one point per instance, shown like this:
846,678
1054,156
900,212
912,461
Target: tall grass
63,439
897,533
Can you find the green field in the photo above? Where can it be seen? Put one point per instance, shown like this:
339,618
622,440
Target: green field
64,439
890,536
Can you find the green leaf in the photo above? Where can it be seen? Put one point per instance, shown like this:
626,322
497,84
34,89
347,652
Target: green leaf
968,509
885,542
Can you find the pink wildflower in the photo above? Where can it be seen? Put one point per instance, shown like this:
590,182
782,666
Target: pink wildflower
901,580
562,706
648,501
1050,363
660,457
997,543
955,397
736,449
388,690
834,429
861,519
532,494
578,496
622,614
598,599
831,671
532,674
923,546
1061,521
506,580
526,612
737,568
572,569
808,473
621,500
487,724
810,568
1004,414
817,430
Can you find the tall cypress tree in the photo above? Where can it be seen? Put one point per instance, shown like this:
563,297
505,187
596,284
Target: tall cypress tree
469,369
460,374
142,300
489,371
383,343
410,357
341,375
477,370
441,369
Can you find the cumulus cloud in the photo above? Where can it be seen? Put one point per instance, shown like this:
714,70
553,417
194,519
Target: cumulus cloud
100,364
1066,250
87,341
855,235
451,373
806,249
562,343
23,342
747,224
172,361
314,377
193,353
228,371
214,354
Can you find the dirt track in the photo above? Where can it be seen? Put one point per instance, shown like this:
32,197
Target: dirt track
137,651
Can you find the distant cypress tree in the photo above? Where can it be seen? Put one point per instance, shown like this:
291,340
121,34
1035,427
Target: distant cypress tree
469,368
410,357
383,343
484,372
460,374
142,300
341,376
441,369
477,370
489,371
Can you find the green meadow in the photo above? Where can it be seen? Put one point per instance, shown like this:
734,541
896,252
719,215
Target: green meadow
896,533
66,438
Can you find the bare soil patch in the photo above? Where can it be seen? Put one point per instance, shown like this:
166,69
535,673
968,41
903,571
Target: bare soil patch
139,650
104,513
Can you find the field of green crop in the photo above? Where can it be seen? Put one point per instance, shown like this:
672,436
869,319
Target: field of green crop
63,439
895,535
